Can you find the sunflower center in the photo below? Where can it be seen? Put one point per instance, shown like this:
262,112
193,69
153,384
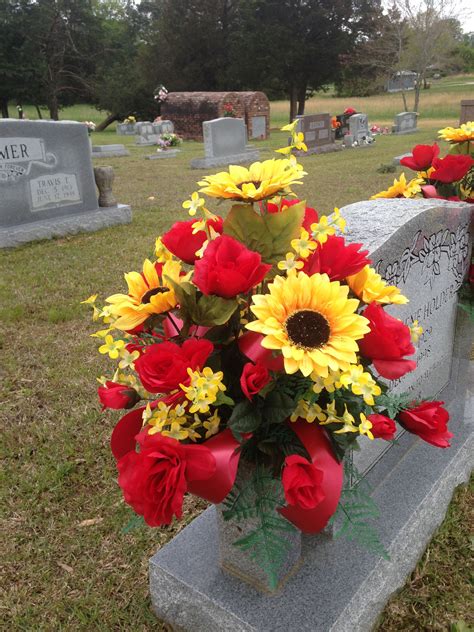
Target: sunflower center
307,329
155,290
256,184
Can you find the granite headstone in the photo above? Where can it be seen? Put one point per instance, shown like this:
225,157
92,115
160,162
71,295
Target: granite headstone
467,111
259,127
146,133
424,246
125,129
359,132
225,141
109,151
405,123
318,134
47,184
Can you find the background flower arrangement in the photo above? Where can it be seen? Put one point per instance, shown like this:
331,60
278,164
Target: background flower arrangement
451,177
165,141
260,338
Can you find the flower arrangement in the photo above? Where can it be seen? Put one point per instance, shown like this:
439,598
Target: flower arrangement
165,141
161,94
449,178
130,120
229,110
90,126
260,338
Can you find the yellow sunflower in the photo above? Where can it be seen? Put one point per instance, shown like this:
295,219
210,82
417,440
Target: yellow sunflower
262,180
369,286
458,134
149,293
401,188
311,320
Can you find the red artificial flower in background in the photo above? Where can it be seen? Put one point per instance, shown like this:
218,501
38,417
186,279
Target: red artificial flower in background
386,343
117,396
422,157
302,482
181,241
429,421
310,214
430,191
336,258
164,366
382,427
349,111
155,479
254,377
228,268
452,168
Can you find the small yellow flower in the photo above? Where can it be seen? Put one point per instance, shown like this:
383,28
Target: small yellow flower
303,246
194,204
162,253
101,333
212,425
352,375
365,426
347,421
329,383
290,127
91,300
290,263
369,286
367,387
322,229
203,389
339,220
401,188
307,411
415,331
112,347
127,359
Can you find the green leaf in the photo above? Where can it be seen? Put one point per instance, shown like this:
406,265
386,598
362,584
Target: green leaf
213,310
223,400
278,406
135,522
269,234
246,417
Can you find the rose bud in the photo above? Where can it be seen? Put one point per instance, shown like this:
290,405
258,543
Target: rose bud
428,420
181,241
117,396
301,482
254,377
382,427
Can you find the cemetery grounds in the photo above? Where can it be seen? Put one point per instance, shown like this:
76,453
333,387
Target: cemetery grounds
69,560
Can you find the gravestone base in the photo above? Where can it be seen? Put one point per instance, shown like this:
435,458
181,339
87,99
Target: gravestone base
339,587
109,151
159,155
405,131
322,149
224,161
60,226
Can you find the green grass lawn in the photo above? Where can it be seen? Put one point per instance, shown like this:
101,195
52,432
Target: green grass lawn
68,565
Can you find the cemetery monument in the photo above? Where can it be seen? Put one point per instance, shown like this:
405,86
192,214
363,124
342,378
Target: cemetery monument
47,186
225,142
109,151
318,133
405,123
467,111
359,132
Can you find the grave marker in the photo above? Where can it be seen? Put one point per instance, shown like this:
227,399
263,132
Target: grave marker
405,123
467,111
424,244
359,132
224,144
47,185
318,134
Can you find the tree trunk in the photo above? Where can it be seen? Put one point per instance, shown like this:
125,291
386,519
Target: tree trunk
417,94
405,104
54,108
4,107
106,122
301,99
293,103
38,112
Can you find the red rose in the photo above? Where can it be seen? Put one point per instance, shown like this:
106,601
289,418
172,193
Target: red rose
422,157
254,377
181,241
310,214
452,168
164,366
301,482
429,421
386,343
336,258
117,396
228,268
155,479
382,427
